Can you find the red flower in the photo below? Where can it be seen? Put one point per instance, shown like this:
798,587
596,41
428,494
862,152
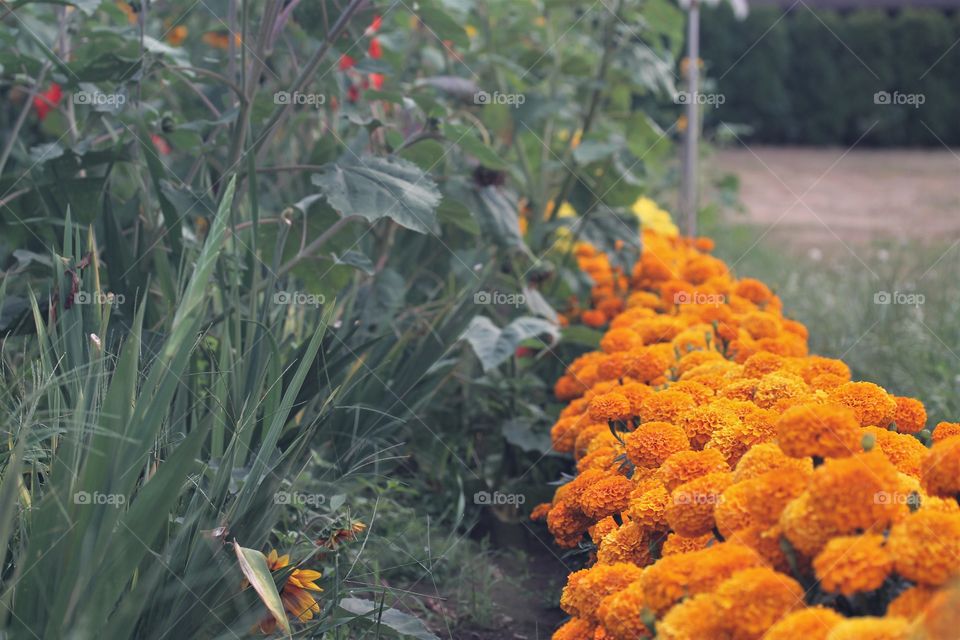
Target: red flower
44,102
353,94
376,79
524,352
375,51
346,62
161,145
374,26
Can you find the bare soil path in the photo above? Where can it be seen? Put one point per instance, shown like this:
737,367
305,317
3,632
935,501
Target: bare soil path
827,195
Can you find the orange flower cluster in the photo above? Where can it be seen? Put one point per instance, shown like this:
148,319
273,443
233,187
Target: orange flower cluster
735,486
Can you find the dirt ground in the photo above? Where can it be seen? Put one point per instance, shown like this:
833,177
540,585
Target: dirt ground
820,196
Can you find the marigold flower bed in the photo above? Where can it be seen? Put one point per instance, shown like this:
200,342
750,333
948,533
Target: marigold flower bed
735,486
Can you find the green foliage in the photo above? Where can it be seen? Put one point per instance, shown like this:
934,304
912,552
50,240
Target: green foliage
810,76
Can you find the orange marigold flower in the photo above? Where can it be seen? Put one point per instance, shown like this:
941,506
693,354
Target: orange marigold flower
734,439
622,339
766,457
760,364
873,405
586,588
731,512
606,497
648,508
940,468
775,387
766,543
853,494
753,599
568,387
601,529
574,629
699,423
690,512
760,324
822,430
910,415
653,442
696,358
813,366
564,432
629,543
753,290
593,318
676,543
767,495
636,393
946,430
911,602
588,433
813,623
567,524
696,617
645,364
850,564
904,451
926,547
871,628
621,614
610,407
665,406
941,617
685,466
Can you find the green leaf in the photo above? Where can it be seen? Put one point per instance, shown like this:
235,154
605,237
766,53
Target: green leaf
403,623
373,188
466,138
519,432
253,564
495,346
442,26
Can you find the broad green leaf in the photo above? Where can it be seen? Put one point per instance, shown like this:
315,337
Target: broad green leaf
373,188
495,346
466,138
254,566
402,623
520,433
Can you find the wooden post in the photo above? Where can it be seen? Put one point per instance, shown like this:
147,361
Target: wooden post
689,178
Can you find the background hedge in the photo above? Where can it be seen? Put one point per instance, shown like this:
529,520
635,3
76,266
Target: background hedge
793,81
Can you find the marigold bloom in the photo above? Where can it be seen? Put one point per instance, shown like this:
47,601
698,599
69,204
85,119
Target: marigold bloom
685,466
636,393
850,564
813,623
574,629
593,318
775,387
645,364
601,529
767,495
926,547
940,468
696,358
649,508
872,405
621,614
911,602
586,588
753,599
822,430
766,457
690,512
653,442
946,430
629,543
606,497
731,512
870,628
699,423
622,339
765,543
905,452
753,290
910,415
734,439
608,407
567,524
696,617
941,616
676,543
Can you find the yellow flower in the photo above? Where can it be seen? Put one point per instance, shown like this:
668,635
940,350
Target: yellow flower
652,217
296,593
